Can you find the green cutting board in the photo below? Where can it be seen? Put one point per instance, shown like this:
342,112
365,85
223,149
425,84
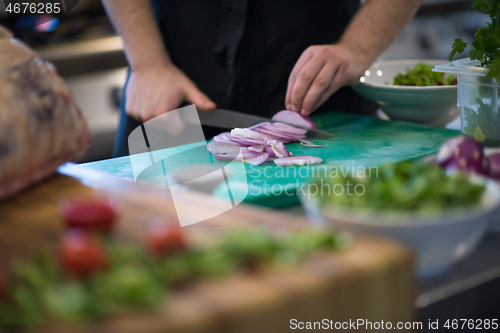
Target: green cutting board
360,143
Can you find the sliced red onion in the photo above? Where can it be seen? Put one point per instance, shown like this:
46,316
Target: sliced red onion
294,118
253,128
248,141
261,143
273,138
468,148
217,148
494,160
258,160
282,129
246,133
225,138
270,152
288,129
279,149
478,167
298,160
447,149
243,153
467,156
313,146
307,142
280,136
258,148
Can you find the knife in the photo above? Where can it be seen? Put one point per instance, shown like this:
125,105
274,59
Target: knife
232,119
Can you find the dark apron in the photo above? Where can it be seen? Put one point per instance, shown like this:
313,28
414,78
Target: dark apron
241,52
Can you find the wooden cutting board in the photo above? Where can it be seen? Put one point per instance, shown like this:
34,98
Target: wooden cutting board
372,280
360,142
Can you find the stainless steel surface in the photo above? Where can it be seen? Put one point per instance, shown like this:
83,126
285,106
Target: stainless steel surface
232,119
480,267
85,56
75,50
95,94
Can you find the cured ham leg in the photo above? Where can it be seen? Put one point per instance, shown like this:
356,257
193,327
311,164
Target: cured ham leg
40,125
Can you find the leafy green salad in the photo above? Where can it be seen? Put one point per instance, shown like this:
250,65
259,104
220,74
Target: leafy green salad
422,75
137,278
406,186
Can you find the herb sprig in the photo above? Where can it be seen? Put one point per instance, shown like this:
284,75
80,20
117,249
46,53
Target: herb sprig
486,44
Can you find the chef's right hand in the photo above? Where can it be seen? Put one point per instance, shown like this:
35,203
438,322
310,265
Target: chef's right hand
152,91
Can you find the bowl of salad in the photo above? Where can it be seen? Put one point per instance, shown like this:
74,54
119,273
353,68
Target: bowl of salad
409,90
441,217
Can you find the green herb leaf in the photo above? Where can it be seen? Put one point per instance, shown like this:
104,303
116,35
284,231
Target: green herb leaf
486,44
479,135
484,6
458,47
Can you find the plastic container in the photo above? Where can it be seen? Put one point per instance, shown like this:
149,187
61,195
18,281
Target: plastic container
478,99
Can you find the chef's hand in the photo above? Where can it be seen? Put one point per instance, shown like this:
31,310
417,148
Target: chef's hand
152,91
320,71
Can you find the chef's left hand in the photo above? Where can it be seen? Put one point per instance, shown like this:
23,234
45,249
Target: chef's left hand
320,71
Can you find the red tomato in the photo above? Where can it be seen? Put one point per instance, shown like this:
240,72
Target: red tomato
164,239
80,254
3,289
89,214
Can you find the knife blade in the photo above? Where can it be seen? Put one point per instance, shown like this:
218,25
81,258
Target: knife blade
232,119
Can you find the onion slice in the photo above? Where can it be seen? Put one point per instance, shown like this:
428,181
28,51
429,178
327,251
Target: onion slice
447,149
298,160
258,148
279,149
258,160
220,147
271,152
307,143
294,118
494,160
313,146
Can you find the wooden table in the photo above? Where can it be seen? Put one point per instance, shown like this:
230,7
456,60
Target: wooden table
372,280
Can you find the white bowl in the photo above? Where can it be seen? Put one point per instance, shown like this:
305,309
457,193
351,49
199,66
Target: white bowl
495,218
438,242
436,105
494,225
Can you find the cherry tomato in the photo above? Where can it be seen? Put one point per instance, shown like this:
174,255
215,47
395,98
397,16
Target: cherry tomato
91,214
81,255
164,238
3,289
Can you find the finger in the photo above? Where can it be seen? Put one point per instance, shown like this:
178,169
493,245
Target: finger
304,81
303,59
195,96
334,86
162,104
320,84
133,110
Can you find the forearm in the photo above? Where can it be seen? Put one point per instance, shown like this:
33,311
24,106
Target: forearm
134,21
376,25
